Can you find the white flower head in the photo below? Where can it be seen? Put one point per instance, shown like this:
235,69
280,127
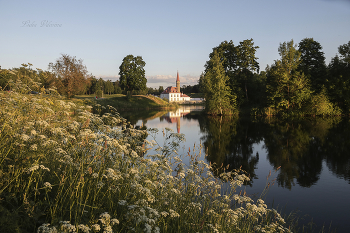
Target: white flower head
48,185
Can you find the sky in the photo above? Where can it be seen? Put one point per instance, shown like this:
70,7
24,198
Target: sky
170,36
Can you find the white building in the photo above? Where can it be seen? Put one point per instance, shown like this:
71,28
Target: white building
173,94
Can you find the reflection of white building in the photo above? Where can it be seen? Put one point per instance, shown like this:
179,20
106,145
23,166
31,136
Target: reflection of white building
174,117
173,94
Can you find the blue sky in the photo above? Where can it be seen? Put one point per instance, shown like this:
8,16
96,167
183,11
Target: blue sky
169,35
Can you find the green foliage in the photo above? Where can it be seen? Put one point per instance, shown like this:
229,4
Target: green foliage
71,74
99,93
239,63
338,85
219,100
319,105
132,73
344,51
109,87
287,88
312,63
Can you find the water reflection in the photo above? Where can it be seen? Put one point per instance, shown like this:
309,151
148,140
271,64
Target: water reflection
313,156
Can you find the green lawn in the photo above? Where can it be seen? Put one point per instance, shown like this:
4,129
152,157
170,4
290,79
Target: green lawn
120,101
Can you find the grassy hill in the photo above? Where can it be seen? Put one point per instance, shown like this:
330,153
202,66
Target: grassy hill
120,101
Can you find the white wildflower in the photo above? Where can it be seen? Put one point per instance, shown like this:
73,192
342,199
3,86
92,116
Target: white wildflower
100,184
33,132
47,185
33,168
96,227
122,202
34,147
45,228
84,228
66,226
148,228
164,213
25,137
44,168
114,221
173,213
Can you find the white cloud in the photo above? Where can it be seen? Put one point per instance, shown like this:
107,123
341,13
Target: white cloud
170,80
160,80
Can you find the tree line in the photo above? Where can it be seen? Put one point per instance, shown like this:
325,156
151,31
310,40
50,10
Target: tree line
299,83
69,76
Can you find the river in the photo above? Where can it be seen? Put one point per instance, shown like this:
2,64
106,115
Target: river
312,157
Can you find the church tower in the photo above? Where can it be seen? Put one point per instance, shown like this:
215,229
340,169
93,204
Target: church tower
178,83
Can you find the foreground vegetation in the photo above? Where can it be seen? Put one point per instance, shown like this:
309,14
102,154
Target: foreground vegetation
65,169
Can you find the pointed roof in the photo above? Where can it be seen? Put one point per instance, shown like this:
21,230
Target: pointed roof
178,79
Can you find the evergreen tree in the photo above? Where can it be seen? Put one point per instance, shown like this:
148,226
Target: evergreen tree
219,100
312,63
109,87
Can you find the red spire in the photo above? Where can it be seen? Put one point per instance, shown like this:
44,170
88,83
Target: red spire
178,79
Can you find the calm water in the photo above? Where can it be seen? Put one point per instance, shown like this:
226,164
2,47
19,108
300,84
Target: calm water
313,156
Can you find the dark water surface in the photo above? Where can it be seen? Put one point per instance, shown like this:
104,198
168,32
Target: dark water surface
313,157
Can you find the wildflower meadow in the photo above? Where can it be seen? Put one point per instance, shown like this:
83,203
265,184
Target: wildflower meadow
66,166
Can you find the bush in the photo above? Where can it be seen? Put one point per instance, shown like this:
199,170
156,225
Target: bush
99,93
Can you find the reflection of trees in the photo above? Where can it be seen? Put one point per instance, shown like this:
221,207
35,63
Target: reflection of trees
134,116
336,149
228,143
296,146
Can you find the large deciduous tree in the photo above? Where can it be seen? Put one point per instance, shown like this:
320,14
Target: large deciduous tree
71,74
287,88
132,74
219,100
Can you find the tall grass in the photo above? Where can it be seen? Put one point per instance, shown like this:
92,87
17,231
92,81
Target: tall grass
65,169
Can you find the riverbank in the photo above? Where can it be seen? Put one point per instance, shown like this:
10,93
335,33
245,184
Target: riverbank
123,102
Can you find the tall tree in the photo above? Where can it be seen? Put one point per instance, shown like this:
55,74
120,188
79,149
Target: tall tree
117,89
132,73
160,89
247,63
239,63
219,100
72,73
339,78
287,88
344,51
312,63
109,87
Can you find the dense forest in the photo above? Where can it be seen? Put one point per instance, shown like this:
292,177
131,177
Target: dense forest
299,83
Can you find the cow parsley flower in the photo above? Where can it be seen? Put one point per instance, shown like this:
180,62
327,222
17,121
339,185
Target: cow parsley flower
47,185
122,202
96,227
34,147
